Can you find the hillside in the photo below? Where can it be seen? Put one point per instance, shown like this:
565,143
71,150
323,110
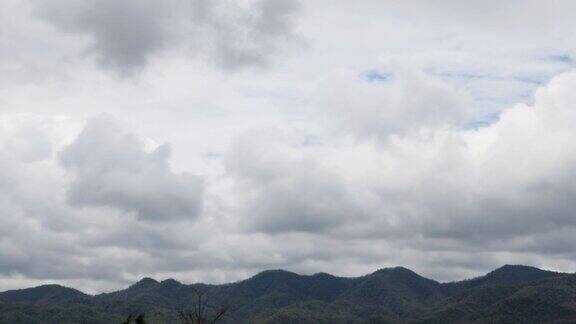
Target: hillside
510,294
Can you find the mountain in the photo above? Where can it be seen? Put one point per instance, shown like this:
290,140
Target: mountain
45,294
510,294
495,298
512,275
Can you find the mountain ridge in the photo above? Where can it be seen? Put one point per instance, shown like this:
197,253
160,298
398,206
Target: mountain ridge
152,281
388,295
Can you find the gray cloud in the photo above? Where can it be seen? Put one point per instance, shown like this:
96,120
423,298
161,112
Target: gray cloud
125,35
239,44
287,189
505,188
44,238
113,169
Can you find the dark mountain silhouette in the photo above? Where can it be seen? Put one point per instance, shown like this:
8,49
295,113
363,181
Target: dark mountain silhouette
510,294
512,275
45,294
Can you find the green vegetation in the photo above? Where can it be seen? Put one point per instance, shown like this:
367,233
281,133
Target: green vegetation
511,294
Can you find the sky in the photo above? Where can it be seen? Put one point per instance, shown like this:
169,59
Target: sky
206,141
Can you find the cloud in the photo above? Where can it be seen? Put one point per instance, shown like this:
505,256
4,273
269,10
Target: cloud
504,188
46,239
466,199
286,189
239,45
113,169
289,182
125,35
410,102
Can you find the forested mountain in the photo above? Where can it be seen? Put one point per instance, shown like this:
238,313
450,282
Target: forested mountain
510,294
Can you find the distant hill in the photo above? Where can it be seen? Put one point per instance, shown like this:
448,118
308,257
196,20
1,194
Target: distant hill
510,294
41,295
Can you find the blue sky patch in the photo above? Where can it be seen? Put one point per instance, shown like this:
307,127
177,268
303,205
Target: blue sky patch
376,76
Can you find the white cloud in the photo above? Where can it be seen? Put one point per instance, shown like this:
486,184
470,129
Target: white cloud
498,189
113,169
404,103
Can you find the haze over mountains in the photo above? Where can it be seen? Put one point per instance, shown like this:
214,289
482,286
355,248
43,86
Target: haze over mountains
510,294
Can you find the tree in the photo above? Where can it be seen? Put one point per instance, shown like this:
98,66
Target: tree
137,320
200,313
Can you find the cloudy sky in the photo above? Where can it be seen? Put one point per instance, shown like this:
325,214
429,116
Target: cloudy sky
208,140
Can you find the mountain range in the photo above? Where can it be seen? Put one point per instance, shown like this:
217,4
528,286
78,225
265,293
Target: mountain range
510,294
